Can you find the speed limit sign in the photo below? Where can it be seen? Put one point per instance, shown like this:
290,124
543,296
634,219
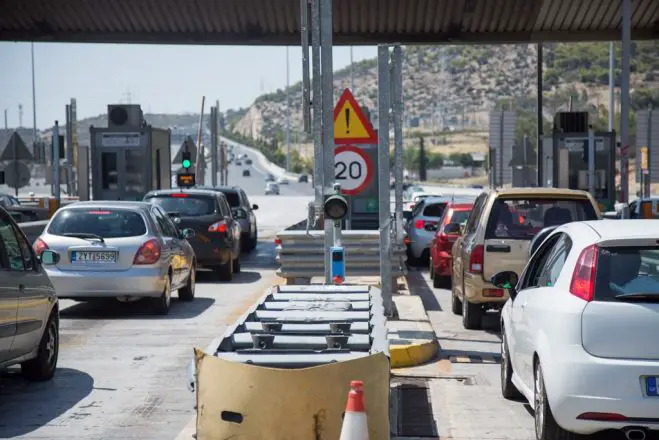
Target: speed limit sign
353,169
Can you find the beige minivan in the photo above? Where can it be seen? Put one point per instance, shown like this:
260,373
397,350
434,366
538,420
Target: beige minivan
496,238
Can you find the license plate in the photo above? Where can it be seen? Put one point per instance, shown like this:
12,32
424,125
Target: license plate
94,257
651,385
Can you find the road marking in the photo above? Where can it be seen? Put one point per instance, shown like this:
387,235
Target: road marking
474,359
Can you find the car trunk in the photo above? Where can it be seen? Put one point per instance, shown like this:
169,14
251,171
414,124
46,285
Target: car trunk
622,320
504,254
200,225
94,255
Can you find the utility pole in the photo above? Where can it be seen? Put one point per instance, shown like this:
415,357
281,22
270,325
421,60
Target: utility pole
288,115
6,126
612,85
34,101
625,99
352,73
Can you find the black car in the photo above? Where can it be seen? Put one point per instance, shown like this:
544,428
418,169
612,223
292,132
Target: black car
303,178
246,173
217,234
248,161
269,178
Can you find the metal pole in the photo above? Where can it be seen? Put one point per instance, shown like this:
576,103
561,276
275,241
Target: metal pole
15,153
214,136
612,85
539,119
383,178
591,161
397,109
69,151
525,168
317,105
288,114
352,73
648,178
34,100
56,158
306,80
6,119
625,100
327,95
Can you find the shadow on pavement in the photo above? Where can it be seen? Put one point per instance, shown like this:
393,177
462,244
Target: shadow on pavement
419,286
26,406
113,309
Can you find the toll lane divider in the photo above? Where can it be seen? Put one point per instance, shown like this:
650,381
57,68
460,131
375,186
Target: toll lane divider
412,340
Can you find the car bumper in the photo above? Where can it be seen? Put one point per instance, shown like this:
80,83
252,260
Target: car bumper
603,386
443,265
479,291
419,242
137,282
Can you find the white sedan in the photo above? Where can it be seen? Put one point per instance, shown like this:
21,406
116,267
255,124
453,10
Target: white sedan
580,332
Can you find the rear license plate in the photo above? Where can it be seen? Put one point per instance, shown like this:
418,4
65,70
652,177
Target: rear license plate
651,386
94,257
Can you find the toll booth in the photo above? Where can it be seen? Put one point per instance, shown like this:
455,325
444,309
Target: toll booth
129,157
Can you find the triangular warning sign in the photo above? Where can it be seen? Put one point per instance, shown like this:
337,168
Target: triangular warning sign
350,123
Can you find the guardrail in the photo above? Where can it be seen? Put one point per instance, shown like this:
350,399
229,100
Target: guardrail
301,254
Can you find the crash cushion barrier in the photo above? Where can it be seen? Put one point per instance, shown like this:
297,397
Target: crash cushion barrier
404,356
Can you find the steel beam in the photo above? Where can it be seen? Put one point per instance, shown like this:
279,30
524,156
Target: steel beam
397,110
317,104
539,119
625,100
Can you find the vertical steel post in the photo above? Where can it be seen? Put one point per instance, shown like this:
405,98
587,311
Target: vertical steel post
352,73
625,100
69,151
648,178
34,100
612,85
317,105
214,137
306,80
383,177
397,110
288,113
327,95
56,158
539,118
591,161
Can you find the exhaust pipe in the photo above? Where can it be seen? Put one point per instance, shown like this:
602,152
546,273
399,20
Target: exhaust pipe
634,433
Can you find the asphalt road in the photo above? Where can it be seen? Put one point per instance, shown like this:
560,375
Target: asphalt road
122,371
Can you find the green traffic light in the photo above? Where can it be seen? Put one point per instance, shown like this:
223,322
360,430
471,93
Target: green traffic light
187,163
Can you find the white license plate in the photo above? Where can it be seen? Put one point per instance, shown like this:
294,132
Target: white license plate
94,257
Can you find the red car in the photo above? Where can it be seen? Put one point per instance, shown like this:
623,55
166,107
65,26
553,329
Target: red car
448,229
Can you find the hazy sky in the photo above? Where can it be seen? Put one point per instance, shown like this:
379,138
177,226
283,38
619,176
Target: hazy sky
163,79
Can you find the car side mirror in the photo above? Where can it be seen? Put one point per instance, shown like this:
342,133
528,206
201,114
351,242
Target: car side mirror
255,207
506,280
188,233
452,229
49,258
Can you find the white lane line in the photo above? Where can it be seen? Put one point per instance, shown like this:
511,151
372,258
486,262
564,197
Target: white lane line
189,431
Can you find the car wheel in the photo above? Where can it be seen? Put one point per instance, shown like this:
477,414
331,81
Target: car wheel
224,271
162,303
43,366
186,293
431,271
236,265
471,315
456,304
440,282
546,427
508,389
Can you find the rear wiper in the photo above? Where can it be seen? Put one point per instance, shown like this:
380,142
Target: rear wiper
638,296
84,235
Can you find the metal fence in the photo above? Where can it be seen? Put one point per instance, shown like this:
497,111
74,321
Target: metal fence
301,254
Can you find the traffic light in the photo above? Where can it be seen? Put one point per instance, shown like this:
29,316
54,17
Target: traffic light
186,162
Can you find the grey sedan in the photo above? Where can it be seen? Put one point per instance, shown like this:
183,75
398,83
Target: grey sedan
125,250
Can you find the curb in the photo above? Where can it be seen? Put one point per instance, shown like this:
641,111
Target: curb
403,356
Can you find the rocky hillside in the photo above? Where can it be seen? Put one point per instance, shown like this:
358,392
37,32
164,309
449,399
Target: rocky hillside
452,81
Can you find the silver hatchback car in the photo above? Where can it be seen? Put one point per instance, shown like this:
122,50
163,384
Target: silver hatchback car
125,250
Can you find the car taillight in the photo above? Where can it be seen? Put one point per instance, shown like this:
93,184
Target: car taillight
476,259
419,224
583,277
278,242
220,226
39,246
148,253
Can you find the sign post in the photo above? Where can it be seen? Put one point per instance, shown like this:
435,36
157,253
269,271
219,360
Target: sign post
645,171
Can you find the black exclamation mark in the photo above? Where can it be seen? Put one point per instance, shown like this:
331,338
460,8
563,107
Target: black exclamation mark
347,120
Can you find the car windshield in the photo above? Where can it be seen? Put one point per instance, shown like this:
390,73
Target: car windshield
104,222
434,210
521,219
627,273
187,205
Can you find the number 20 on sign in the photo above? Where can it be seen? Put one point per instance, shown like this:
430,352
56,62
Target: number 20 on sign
353,169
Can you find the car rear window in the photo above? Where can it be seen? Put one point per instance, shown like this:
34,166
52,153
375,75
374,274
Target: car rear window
521,219
460,216
105,222
626,271
434,210
187,205
232,197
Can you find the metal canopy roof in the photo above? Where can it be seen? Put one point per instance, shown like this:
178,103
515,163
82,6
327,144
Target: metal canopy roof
357,22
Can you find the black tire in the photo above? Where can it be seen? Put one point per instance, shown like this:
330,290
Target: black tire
236,265
254,240
456,304
43,367
439,281
508,389
162,303
224,271
546,427
471,315
186,293
431,271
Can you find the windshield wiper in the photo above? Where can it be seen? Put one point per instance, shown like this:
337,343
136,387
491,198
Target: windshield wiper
84,236
638,296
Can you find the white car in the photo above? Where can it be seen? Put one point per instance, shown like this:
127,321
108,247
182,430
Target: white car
282,181
580,332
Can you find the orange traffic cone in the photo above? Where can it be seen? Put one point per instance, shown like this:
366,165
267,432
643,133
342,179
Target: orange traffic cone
354,421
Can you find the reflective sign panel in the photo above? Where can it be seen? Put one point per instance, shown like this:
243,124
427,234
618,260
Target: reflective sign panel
185,180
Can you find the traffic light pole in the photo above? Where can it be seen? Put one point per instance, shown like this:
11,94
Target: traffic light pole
56,182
